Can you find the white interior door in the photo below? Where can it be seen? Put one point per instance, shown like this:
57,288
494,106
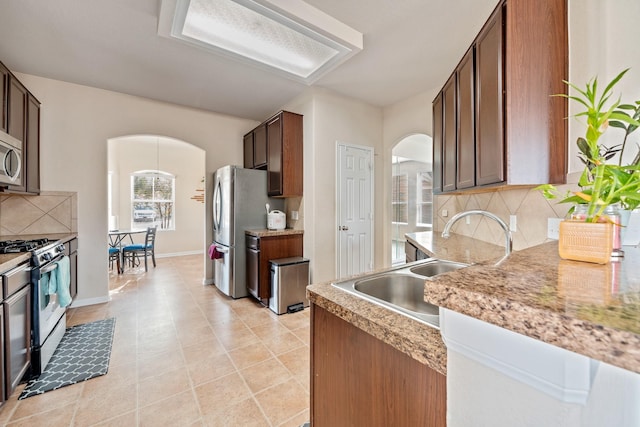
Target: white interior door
355,210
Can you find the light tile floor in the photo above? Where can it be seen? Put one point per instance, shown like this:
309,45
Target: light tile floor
183,354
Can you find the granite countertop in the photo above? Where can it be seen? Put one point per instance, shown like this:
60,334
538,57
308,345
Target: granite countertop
456,248
419,341
269,233
9,261
590,309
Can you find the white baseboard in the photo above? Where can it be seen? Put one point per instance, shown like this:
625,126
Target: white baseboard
179,254
89,301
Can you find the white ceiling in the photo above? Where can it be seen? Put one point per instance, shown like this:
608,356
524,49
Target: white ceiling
410,46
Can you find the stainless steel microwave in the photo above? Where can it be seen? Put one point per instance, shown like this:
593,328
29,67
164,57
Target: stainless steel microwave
10,159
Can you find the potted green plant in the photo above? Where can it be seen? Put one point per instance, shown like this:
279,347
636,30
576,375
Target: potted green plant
603,184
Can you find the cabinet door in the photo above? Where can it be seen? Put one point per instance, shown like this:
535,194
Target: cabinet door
358,380
247,143
490,156
260,147
275,247
466,147
4,85
17,316
274,158
17,108
16,118
449,158
32,146
3,393
253,272
438,143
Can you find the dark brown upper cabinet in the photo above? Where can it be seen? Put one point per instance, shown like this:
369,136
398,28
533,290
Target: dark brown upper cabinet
16,118
32,145
276,145
466,147
284,159
449,135
255,148
4,88
260,147
437,136
247,142
509,129
17,108
489,105
20,118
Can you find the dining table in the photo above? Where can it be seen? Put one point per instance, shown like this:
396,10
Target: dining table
116,238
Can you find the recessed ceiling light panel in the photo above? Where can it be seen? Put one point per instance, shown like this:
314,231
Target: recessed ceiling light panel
287,36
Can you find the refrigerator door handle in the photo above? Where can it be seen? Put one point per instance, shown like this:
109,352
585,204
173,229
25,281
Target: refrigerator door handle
222,249
217,205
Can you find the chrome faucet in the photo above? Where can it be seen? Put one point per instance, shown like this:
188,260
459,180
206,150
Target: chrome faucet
509,241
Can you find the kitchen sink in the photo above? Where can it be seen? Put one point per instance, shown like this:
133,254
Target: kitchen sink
431,269
401,288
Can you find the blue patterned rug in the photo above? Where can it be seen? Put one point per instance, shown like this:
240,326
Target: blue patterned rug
82,354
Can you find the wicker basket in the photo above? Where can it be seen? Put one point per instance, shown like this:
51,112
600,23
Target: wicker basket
586,241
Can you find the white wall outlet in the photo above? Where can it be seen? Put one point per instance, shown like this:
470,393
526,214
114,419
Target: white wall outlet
467,220
553,228
294,215
513,223
445,213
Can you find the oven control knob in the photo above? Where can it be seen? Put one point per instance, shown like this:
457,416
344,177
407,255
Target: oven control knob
46,256
60,248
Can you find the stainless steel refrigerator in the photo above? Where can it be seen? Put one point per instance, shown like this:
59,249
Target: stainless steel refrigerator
239,203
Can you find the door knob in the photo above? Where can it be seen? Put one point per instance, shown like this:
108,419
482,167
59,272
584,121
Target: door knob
343,228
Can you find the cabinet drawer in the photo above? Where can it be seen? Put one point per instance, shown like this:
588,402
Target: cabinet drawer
15,279
72,246
252,242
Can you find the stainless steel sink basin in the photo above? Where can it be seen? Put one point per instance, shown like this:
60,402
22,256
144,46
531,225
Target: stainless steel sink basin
431,269
402,288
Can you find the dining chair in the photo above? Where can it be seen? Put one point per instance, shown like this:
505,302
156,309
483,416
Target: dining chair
135,251
114,255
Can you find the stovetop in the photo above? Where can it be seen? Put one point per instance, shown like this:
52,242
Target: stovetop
17,246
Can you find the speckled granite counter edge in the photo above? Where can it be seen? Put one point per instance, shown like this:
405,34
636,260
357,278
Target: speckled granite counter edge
268,233
415,339
617,348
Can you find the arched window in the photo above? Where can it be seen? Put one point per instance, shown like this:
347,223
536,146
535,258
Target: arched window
153,199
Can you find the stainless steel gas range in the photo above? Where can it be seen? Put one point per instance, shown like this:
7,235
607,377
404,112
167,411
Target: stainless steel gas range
48,318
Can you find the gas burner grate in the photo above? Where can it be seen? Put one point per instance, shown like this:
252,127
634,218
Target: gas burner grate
17,246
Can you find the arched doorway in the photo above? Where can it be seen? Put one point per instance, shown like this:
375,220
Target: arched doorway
411,191
172,171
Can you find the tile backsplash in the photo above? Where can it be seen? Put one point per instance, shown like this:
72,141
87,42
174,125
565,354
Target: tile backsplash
528,205
49,212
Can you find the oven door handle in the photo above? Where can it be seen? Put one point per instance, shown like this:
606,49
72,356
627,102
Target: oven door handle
49,268
52,265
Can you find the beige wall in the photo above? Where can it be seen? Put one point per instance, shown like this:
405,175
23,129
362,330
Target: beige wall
77,121
405,118
329,119
186,163
603,41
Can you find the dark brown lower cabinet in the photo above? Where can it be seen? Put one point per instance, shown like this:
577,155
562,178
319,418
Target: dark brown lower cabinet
358,380
17,333
261,250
